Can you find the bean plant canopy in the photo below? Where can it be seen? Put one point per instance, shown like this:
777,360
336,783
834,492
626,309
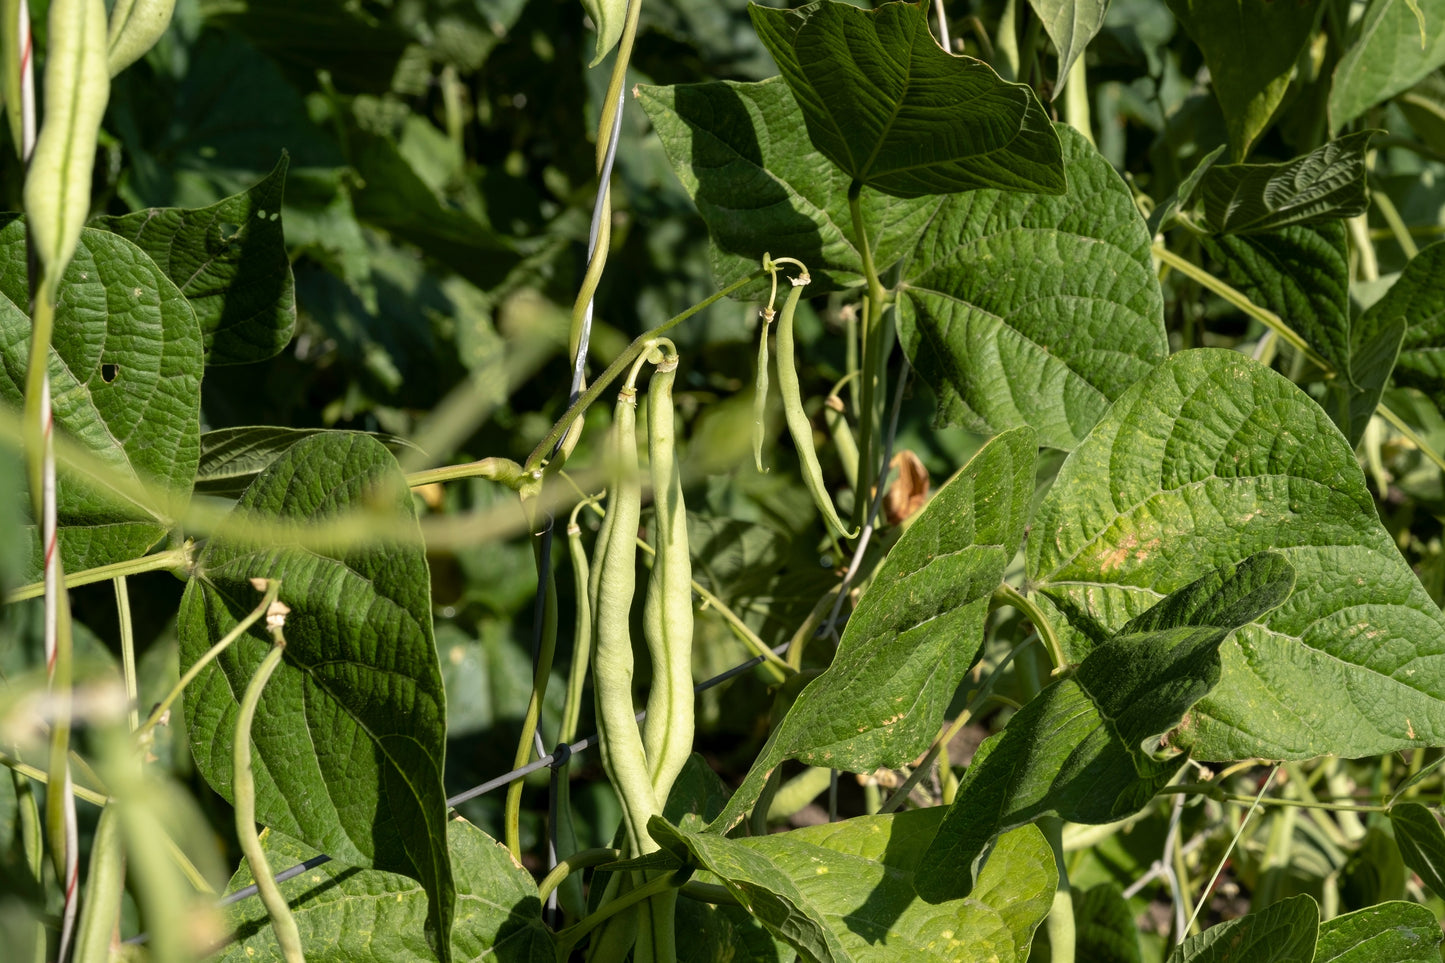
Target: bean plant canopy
699,480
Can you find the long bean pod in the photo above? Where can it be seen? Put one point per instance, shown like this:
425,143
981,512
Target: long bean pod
623,756
667,613
797,417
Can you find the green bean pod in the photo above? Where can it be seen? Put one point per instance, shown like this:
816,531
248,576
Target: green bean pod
760,395
623,757
135,26
667,612
797,417
104,890
77,86
569,892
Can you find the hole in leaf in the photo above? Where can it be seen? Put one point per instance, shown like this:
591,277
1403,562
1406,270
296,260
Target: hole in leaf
109,372
228,231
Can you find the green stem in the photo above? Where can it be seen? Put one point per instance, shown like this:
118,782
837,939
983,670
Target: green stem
1415,437
541,673
160,711
571,864
709,893
1060,922
1008,595
43,777
871,380
1237,298
594,390
175,558
572,935
244,786
127,651
1006,45
502,470
1396,223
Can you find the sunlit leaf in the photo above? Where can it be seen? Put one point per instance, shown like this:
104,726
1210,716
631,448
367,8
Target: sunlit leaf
897,113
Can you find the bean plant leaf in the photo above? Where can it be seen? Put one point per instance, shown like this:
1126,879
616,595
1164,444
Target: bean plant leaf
743,155
1250,47
1088,747
1023,309
1417,299
351,731
125,381
1326,183
1421,842
231,458
762,888
1371,363
230,262
897,113
346,914
1104,927
1393,52
915,632
1070,24
1392,932
828,872
1302,274
1283,932
1206,461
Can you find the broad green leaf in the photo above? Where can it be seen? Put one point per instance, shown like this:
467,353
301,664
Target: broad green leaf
1394,932
394,197
725,934
1394,51
1104,928
1088,748
351,731
1250,47
897,113
1417,298
1026,310
229,260
915,632
1070,24
125,382
1208,460
764,889
1353,405
345,39
1421,842
1301,273
1328,182
1282,932
231,458
807,886
743,155
350,915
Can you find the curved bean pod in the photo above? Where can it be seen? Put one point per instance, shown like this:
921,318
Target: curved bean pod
623,757
667,612
797,418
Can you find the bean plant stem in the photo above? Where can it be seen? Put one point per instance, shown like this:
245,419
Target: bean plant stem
1060,921
871,379
571,864
571,936
595,390
282,922
159,712
127,652
170,559
1237,298
1009,595
1183,933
